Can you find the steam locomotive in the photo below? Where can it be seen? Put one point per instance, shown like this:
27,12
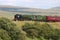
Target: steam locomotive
20,17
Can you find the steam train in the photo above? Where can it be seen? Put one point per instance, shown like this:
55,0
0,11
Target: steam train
20,17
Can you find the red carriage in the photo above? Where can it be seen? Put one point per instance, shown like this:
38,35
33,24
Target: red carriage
53,18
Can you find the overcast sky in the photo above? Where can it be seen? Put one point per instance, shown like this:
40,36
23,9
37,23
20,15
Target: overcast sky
32,3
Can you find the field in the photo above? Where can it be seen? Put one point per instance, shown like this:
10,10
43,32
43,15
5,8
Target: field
54,24
10,15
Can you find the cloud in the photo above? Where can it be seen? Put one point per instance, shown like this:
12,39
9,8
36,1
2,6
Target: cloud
27,1
32,3
13,2
7,2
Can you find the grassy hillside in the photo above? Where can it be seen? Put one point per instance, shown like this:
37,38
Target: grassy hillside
10,11
54,24
31,11
10,15
23,34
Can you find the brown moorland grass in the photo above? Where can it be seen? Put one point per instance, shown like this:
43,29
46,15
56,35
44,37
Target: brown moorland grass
21,23
10,16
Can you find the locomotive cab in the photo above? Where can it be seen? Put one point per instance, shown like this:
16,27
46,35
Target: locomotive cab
17,17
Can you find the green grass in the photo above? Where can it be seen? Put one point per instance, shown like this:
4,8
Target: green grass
21,23
10,15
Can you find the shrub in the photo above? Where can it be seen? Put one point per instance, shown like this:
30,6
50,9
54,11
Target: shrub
44,31
31,30
4,35
9,31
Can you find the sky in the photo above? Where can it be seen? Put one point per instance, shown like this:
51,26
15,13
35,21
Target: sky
43,4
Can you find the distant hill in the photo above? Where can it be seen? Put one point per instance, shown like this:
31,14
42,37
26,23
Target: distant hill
12,10
25,9
18,9
56,8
